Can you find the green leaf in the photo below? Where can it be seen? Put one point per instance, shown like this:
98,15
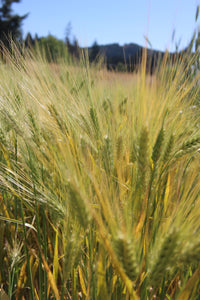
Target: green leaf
55,258
17,222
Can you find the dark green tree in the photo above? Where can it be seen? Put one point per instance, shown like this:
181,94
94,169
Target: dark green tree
72,46
95,50
10,23
75,48
68,32
29,41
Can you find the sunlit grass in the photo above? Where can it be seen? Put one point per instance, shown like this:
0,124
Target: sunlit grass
99,182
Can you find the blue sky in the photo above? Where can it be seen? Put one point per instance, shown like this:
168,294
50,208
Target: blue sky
109,21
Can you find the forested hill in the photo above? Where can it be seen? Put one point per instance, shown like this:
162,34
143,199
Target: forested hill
115,50
127,56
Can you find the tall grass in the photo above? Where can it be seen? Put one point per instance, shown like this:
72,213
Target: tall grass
99,181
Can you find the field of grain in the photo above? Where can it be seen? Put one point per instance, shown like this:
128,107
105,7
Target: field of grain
99,181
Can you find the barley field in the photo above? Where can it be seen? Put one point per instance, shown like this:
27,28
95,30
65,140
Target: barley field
99,181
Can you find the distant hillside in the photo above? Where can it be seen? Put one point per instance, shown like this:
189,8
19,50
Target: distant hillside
115,50
128,55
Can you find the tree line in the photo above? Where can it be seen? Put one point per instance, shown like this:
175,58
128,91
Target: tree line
53,48
11,30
